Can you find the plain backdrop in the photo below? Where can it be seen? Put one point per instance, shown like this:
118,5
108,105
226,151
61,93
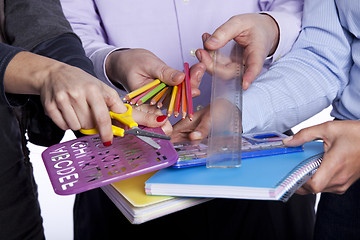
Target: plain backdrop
57,210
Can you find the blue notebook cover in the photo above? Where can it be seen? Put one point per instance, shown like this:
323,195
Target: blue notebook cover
267,178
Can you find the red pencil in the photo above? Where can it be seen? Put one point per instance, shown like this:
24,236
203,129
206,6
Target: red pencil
188,91
177,101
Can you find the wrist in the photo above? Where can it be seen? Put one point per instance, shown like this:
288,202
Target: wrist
275,29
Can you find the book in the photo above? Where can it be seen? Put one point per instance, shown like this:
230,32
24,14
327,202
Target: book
85,163
274,177
252,145
130,198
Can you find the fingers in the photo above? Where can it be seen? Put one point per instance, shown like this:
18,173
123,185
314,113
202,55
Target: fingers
223,34
151,117
305,135
201,131
254,61
167,74
196,73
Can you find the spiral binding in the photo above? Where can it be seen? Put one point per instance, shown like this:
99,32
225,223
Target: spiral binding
299,175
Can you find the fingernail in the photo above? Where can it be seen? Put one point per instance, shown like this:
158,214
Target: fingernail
161,118
212,41
107,144
198,55
285,140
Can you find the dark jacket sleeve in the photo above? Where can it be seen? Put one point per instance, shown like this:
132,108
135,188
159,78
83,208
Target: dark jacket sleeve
31,22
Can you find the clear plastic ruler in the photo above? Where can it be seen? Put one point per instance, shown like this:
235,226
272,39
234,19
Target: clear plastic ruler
224,145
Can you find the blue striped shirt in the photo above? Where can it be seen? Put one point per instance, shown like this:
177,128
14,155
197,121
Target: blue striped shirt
323,68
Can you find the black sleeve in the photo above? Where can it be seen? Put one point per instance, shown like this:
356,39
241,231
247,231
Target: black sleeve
31,22
7,53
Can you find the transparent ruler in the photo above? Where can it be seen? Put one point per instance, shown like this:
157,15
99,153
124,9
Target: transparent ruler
224,145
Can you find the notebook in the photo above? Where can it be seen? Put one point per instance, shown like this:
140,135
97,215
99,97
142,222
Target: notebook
130,198
85,163
252,145
274,177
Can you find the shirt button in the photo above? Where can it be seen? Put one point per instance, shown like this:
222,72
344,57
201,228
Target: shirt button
186,1
192,52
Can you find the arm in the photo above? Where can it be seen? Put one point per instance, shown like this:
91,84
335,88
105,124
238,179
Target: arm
307,79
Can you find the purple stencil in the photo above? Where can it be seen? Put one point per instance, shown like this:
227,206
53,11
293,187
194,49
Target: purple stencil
85,163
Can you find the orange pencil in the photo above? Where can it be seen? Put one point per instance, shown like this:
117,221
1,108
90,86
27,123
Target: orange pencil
172,100
177,101
188,91
183,101
162,99
157,97
141,90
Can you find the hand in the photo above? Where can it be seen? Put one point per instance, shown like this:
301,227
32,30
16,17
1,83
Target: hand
340,166
150,116
197,129
257,33
72,98
133,68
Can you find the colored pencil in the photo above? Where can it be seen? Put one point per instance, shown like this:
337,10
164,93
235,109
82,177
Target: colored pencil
151,93
183,100
137,98
141,90
162,99
178,101
158,96
188,91
172,100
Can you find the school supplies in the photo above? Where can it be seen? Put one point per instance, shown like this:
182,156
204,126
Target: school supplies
126,118
180,96
85,163
224,145
130,198
252,145
274,177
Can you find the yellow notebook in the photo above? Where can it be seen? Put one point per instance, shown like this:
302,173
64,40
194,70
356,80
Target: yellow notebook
130,198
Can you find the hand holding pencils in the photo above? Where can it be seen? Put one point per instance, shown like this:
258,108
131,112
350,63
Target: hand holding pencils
180,96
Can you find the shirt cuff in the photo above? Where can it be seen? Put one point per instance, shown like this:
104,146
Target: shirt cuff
99,58
289,28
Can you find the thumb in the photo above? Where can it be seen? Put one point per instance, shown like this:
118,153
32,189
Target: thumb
202,129
167,74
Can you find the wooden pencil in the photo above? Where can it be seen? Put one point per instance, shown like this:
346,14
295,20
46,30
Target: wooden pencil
183,101
177,101
190,109
150,94
172,100
158,96
160,103
137,98
141,90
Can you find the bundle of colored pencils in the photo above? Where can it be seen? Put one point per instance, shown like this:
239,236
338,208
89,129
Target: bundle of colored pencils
157,91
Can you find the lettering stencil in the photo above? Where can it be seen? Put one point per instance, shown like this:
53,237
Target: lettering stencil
85,163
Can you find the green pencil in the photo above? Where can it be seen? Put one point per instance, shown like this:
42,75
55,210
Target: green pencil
151,93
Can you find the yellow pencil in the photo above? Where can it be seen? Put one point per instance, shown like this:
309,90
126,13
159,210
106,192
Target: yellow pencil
172,100
141,90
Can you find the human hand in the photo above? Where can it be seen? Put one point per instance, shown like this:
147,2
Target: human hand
72,98
150,116
340,166
257,33
133,68
197,129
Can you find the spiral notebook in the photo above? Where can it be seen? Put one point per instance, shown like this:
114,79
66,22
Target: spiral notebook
274,177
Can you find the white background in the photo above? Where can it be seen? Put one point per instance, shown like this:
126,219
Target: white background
57,210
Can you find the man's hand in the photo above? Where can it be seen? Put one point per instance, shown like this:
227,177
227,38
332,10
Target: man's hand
257,33
340,166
